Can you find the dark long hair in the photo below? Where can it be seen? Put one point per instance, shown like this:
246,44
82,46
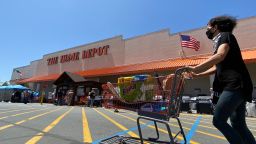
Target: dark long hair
224,23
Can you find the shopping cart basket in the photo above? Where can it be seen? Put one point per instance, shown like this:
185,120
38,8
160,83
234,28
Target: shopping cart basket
147,103
171,108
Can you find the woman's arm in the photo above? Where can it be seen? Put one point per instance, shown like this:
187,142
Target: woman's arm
213,60
205,73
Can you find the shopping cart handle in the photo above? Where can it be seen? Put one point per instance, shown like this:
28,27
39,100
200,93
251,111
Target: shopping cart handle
181,70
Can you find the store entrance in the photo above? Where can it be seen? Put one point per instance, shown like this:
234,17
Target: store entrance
73,89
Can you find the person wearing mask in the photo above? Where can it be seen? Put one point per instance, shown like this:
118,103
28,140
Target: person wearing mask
232,83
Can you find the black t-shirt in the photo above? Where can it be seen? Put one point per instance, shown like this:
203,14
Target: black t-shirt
232,73
92,95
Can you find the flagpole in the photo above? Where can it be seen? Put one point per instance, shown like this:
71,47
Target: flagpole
182,53
18,72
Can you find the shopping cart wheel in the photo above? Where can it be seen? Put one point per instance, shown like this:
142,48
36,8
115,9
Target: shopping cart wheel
123,142
114,140
152,139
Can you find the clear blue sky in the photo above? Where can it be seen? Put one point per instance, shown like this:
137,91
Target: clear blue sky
30,29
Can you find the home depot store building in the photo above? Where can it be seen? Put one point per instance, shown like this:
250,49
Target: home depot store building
108,59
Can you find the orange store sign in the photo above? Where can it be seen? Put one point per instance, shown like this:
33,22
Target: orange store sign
76,55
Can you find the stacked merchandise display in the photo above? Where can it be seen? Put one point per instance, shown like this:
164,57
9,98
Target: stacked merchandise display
136,88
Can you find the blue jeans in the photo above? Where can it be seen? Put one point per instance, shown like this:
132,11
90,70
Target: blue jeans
232,105
92,101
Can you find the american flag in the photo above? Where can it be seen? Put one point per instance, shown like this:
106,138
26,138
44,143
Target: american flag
18,72
189,42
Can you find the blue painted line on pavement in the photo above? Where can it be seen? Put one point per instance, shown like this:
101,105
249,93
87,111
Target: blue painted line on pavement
122,132
192,130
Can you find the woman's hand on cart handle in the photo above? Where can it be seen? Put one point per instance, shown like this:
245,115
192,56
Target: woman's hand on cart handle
190,74
187,75
190,68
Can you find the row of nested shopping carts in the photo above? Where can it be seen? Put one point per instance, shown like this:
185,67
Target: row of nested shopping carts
153,102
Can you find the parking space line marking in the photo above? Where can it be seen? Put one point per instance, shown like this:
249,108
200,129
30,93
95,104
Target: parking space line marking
212,135
39,136
21,113
196,115
201,132
198,125
9,109
34,117
16,110
22,121
6,126
122,132
117,124
86,130
251,127
152,127
192,130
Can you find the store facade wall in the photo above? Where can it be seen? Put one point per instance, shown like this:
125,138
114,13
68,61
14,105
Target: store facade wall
147,48
154,46
116,51
22,72
246,33
106,53
35,68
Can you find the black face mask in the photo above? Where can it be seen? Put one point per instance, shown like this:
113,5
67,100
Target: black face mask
209,34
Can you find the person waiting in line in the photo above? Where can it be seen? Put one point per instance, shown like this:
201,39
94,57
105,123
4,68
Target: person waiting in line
59,98
92,97
69,97
232,81
13,97
31,96
25,96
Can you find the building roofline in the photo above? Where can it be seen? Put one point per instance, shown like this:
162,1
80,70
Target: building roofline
21,67
150,33
246,18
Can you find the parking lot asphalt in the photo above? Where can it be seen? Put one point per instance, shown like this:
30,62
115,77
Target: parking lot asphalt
50,124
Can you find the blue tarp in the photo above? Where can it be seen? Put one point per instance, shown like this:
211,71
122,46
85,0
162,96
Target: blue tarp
16,87
2,87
